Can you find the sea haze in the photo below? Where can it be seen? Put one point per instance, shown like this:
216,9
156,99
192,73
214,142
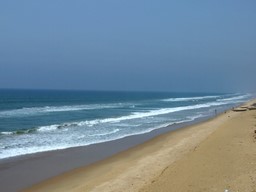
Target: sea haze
35,121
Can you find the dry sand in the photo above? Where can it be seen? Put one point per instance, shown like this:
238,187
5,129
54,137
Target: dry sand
215,155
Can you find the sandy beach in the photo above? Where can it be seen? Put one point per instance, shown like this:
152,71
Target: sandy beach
127,96
215,155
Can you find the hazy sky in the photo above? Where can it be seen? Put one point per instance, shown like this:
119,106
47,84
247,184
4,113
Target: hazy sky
128,45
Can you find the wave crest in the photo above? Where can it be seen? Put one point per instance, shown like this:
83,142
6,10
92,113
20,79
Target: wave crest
189,98
31,111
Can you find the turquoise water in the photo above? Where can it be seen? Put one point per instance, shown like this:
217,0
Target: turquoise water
34,120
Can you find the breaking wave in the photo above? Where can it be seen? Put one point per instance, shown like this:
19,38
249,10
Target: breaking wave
189,98
241,97
134,115
31,111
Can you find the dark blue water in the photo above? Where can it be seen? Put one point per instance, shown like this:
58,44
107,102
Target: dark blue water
35,120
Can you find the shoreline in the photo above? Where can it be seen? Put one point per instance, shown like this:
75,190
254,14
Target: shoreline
74,159
31,169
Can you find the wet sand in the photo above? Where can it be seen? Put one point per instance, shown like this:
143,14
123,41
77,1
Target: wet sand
215,155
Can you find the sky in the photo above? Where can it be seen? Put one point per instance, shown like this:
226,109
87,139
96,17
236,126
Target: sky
142,45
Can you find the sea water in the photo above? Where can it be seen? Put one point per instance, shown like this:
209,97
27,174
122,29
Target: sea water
41,120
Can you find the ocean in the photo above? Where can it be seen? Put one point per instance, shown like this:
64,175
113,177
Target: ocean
34,121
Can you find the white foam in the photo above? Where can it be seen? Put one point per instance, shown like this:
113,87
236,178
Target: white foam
134,115
241,97
69,141
50,109
62,126
192,118
81,137
28,150
48,128
138,115
106,133
6,133
189,98
63,145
